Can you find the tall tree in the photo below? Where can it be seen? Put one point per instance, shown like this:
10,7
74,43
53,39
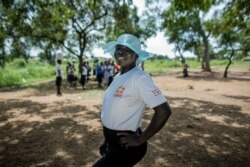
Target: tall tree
77,25
232,30
74,25
3,37
126,20
15,29
187,20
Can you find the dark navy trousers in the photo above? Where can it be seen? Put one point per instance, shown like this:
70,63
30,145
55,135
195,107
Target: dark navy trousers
118,156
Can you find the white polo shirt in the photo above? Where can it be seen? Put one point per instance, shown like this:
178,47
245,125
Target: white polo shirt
59,71
125,99
84,71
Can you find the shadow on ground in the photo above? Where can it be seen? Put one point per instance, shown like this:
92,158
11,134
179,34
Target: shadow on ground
199,133
32,136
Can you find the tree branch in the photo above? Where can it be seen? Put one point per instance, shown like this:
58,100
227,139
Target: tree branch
70,50
95,19
74,21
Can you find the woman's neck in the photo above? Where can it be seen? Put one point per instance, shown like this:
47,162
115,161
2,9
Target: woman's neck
128,68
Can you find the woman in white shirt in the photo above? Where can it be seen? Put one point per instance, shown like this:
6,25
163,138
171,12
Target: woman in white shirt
124,104
84,74
59,73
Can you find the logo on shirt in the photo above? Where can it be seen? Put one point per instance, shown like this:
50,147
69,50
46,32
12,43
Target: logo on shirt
156,92
119,91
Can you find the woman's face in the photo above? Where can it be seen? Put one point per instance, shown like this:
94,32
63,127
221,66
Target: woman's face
124,56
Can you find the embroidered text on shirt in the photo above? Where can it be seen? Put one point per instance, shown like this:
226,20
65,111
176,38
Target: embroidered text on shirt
156,92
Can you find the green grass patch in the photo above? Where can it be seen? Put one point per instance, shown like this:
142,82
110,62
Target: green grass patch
218,62
158,67
190,87
19,73
235,65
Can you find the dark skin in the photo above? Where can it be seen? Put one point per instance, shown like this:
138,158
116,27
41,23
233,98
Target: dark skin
160,117
126,58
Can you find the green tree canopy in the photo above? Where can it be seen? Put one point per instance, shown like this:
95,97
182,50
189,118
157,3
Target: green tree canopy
75,25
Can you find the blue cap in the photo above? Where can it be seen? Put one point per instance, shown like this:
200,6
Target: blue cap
130,41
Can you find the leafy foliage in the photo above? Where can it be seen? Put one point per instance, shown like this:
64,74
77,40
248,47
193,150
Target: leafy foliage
76,26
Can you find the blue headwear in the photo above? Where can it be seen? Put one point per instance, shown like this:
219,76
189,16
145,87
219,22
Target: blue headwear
130,41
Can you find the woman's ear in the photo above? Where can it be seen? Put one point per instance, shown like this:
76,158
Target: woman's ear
135,56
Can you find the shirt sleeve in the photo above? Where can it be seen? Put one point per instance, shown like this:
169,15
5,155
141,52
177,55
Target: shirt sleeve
149,92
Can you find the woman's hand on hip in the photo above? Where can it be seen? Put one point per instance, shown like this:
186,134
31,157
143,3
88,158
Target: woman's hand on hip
129,140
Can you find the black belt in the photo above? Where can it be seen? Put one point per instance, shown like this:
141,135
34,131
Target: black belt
112,138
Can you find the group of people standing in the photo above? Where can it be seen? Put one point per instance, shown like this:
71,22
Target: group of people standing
105,72
102,72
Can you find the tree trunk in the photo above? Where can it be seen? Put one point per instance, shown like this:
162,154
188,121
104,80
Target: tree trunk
26,58
80,64
202,62
2,58
2,63
206,55
179,51
198,54
229,63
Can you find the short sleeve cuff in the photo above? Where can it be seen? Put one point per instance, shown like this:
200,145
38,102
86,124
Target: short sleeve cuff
157,101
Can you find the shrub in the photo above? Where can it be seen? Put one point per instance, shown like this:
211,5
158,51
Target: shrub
16,75
18,63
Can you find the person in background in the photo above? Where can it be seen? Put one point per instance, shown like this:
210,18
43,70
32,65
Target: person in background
72,78
99,73
84,74
59,73
141,66
70,73
111,70
125,144
185,68
95,64
89,70
67,69
106,72
117,68
75,78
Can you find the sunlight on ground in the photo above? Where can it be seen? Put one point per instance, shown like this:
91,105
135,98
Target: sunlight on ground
63,154
221,120
160,161
209,125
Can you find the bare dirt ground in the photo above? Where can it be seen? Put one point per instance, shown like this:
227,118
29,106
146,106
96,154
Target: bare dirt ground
209,126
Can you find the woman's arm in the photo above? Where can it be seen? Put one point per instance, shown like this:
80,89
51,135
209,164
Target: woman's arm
103,148
160,117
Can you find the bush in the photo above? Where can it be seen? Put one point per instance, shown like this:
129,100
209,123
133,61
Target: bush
154,64
18,63
10,78
16,75
219,62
